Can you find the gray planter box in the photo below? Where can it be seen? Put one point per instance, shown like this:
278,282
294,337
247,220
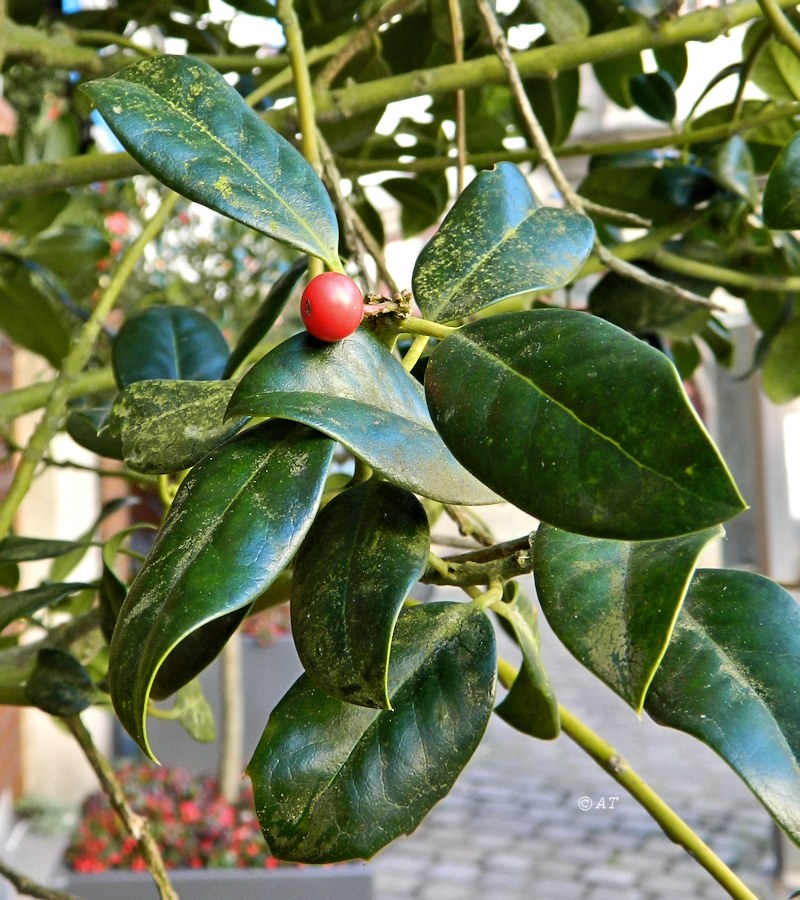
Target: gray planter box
352,881
267,673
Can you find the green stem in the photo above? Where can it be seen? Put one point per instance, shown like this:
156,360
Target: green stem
728,277
782,27
671,823
44,177
133,822
305,106
703,25
414,325
27,399
415,351
71,369
673,826
657,141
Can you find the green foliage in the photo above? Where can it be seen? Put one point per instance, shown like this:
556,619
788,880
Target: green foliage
573,415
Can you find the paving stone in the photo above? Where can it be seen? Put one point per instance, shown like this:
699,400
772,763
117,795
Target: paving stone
439,890
507,880
454,872
609,876
398,883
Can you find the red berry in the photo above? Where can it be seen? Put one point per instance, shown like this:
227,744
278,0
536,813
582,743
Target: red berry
332,306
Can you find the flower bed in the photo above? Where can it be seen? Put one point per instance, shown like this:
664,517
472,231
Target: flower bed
212,847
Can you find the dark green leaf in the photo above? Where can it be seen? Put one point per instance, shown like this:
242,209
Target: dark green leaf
613,603
674,60
355,568
266,316
641,309
184,123
335,781
168,342
654,94
68,250
565,20
782,192
237,519
734,169
729,678
422,200
59,684
615,77
87,427
167,426
26,603
579,424
357,392
683,186
781,373
16,548
555,101
497,242
685,357
27,316
9,575
530,705
629,188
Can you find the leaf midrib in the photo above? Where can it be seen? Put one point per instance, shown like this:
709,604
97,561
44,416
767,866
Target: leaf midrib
198,123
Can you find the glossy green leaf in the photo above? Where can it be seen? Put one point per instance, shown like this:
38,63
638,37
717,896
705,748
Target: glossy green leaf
729,678
615,77
67,250
684,186
86,425
654,94
782,191
25,603
9,575
642,309
613,603
237,519
266,316
356,392
27,316
630,188
497,242
168,342
355,568
579,424
335,781
673,59
780,377
734,169
555,101
16,548
530,705
59,684
183,122
167,426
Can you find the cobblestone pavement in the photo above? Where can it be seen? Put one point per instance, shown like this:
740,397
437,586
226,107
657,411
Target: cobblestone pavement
514,826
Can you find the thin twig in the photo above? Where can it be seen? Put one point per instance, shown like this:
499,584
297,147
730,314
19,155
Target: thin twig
360,40
26,887
572,199
133,822
457,30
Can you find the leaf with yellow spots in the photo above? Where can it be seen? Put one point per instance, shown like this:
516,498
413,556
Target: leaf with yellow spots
185,124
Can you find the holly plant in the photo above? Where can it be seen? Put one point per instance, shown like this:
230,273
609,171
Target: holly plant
469,387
